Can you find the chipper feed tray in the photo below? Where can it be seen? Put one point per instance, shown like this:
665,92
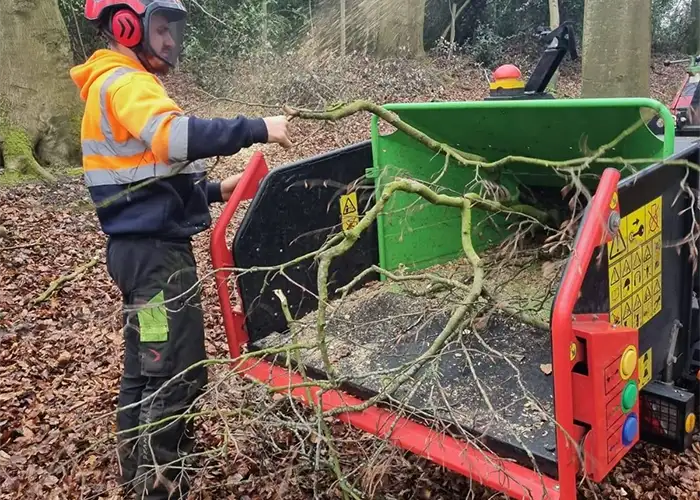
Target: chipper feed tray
572,357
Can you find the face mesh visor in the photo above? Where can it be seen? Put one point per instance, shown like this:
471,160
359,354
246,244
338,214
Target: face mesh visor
165,30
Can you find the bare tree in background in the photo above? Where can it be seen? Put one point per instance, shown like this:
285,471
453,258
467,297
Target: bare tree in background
265,28
343,30
553,23
455,13
400,27
616,48
695,42
384,28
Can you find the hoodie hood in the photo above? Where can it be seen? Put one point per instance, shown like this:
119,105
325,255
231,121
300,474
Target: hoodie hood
102,61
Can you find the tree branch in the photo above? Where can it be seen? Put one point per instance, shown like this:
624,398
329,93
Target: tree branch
344,110
57,283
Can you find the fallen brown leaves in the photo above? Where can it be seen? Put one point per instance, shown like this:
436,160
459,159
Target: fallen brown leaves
60,360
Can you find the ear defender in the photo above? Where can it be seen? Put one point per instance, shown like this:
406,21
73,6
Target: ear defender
126,28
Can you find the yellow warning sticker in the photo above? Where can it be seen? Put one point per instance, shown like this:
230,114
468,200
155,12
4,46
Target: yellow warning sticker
636,261
634,267
626,276
635,229
644,368
647,302
616,315
648,267
653,218
637,310
348,211
656,295
627,313
637,278
656,255
618,246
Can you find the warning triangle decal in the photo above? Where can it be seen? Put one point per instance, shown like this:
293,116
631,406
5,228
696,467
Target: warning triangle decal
637,302
615,276
617,246
349,207
626,311
626,267
636,261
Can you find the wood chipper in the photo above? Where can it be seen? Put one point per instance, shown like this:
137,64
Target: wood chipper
519,405
623,336
685,104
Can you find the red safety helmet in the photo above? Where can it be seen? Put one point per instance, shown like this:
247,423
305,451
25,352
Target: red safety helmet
141,25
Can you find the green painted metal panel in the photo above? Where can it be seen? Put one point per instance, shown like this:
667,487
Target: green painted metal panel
417,234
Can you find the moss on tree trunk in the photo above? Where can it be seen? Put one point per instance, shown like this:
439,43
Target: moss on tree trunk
18,153
39,103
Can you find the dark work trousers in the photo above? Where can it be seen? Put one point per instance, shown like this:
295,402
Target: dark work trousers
164,335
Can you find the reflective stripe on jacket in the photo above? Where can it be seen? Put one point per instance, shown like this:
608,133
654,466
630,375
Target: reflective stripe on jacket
141,154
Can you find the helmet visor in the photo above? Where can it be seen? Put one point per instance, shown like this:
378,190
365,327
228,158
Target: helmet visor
165,30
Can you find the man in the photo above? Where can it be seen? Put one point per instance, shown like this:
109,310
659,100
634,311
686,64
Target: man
142,160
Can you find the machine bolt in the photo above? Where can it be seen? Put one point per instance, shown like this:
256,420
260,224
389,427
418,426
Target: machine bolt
614,222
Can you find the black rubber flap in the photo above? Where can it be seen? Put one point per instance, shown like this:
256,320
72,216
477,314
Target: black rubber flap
297,208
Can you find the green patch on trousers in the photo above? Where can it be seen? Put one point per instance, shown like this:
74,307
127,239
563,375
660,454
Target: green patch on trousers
153,320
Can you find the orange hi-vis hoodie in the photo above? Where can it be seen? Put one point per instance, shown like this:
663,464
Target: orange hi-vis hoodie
142,155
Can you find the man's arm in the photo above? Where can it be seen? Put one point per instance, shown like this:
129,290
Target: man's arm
143,107
223,137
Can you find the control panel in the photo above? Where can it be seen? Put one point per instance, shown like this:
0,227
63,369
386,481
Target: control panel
606,391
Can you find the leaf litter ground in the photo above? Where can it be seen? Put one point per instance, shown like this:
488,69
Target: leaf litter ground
60,360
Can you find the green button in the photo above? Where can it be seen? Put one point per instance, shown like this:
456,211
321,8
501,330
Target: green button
629,396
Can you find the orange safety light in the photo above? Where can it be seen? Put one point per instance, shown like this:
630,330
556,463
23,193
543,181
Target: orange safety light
508,77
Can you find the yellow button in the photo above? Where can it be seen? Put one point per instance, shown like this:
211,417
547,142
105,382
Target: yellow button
690,423
628,362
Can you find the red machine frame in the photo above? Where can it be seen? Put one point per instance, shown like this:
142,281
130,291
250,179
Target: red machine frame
488,469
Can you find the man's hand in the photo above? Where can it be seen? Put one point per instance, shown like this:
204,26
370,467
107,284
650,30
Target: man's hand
277,130
228,185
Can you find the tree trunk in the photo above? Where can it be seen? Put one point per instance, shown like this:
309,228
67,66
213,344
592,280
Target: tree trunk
401,28
456,15
695,30
265,33
453,23
369,13
616,48
554,23
40,110
343,29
